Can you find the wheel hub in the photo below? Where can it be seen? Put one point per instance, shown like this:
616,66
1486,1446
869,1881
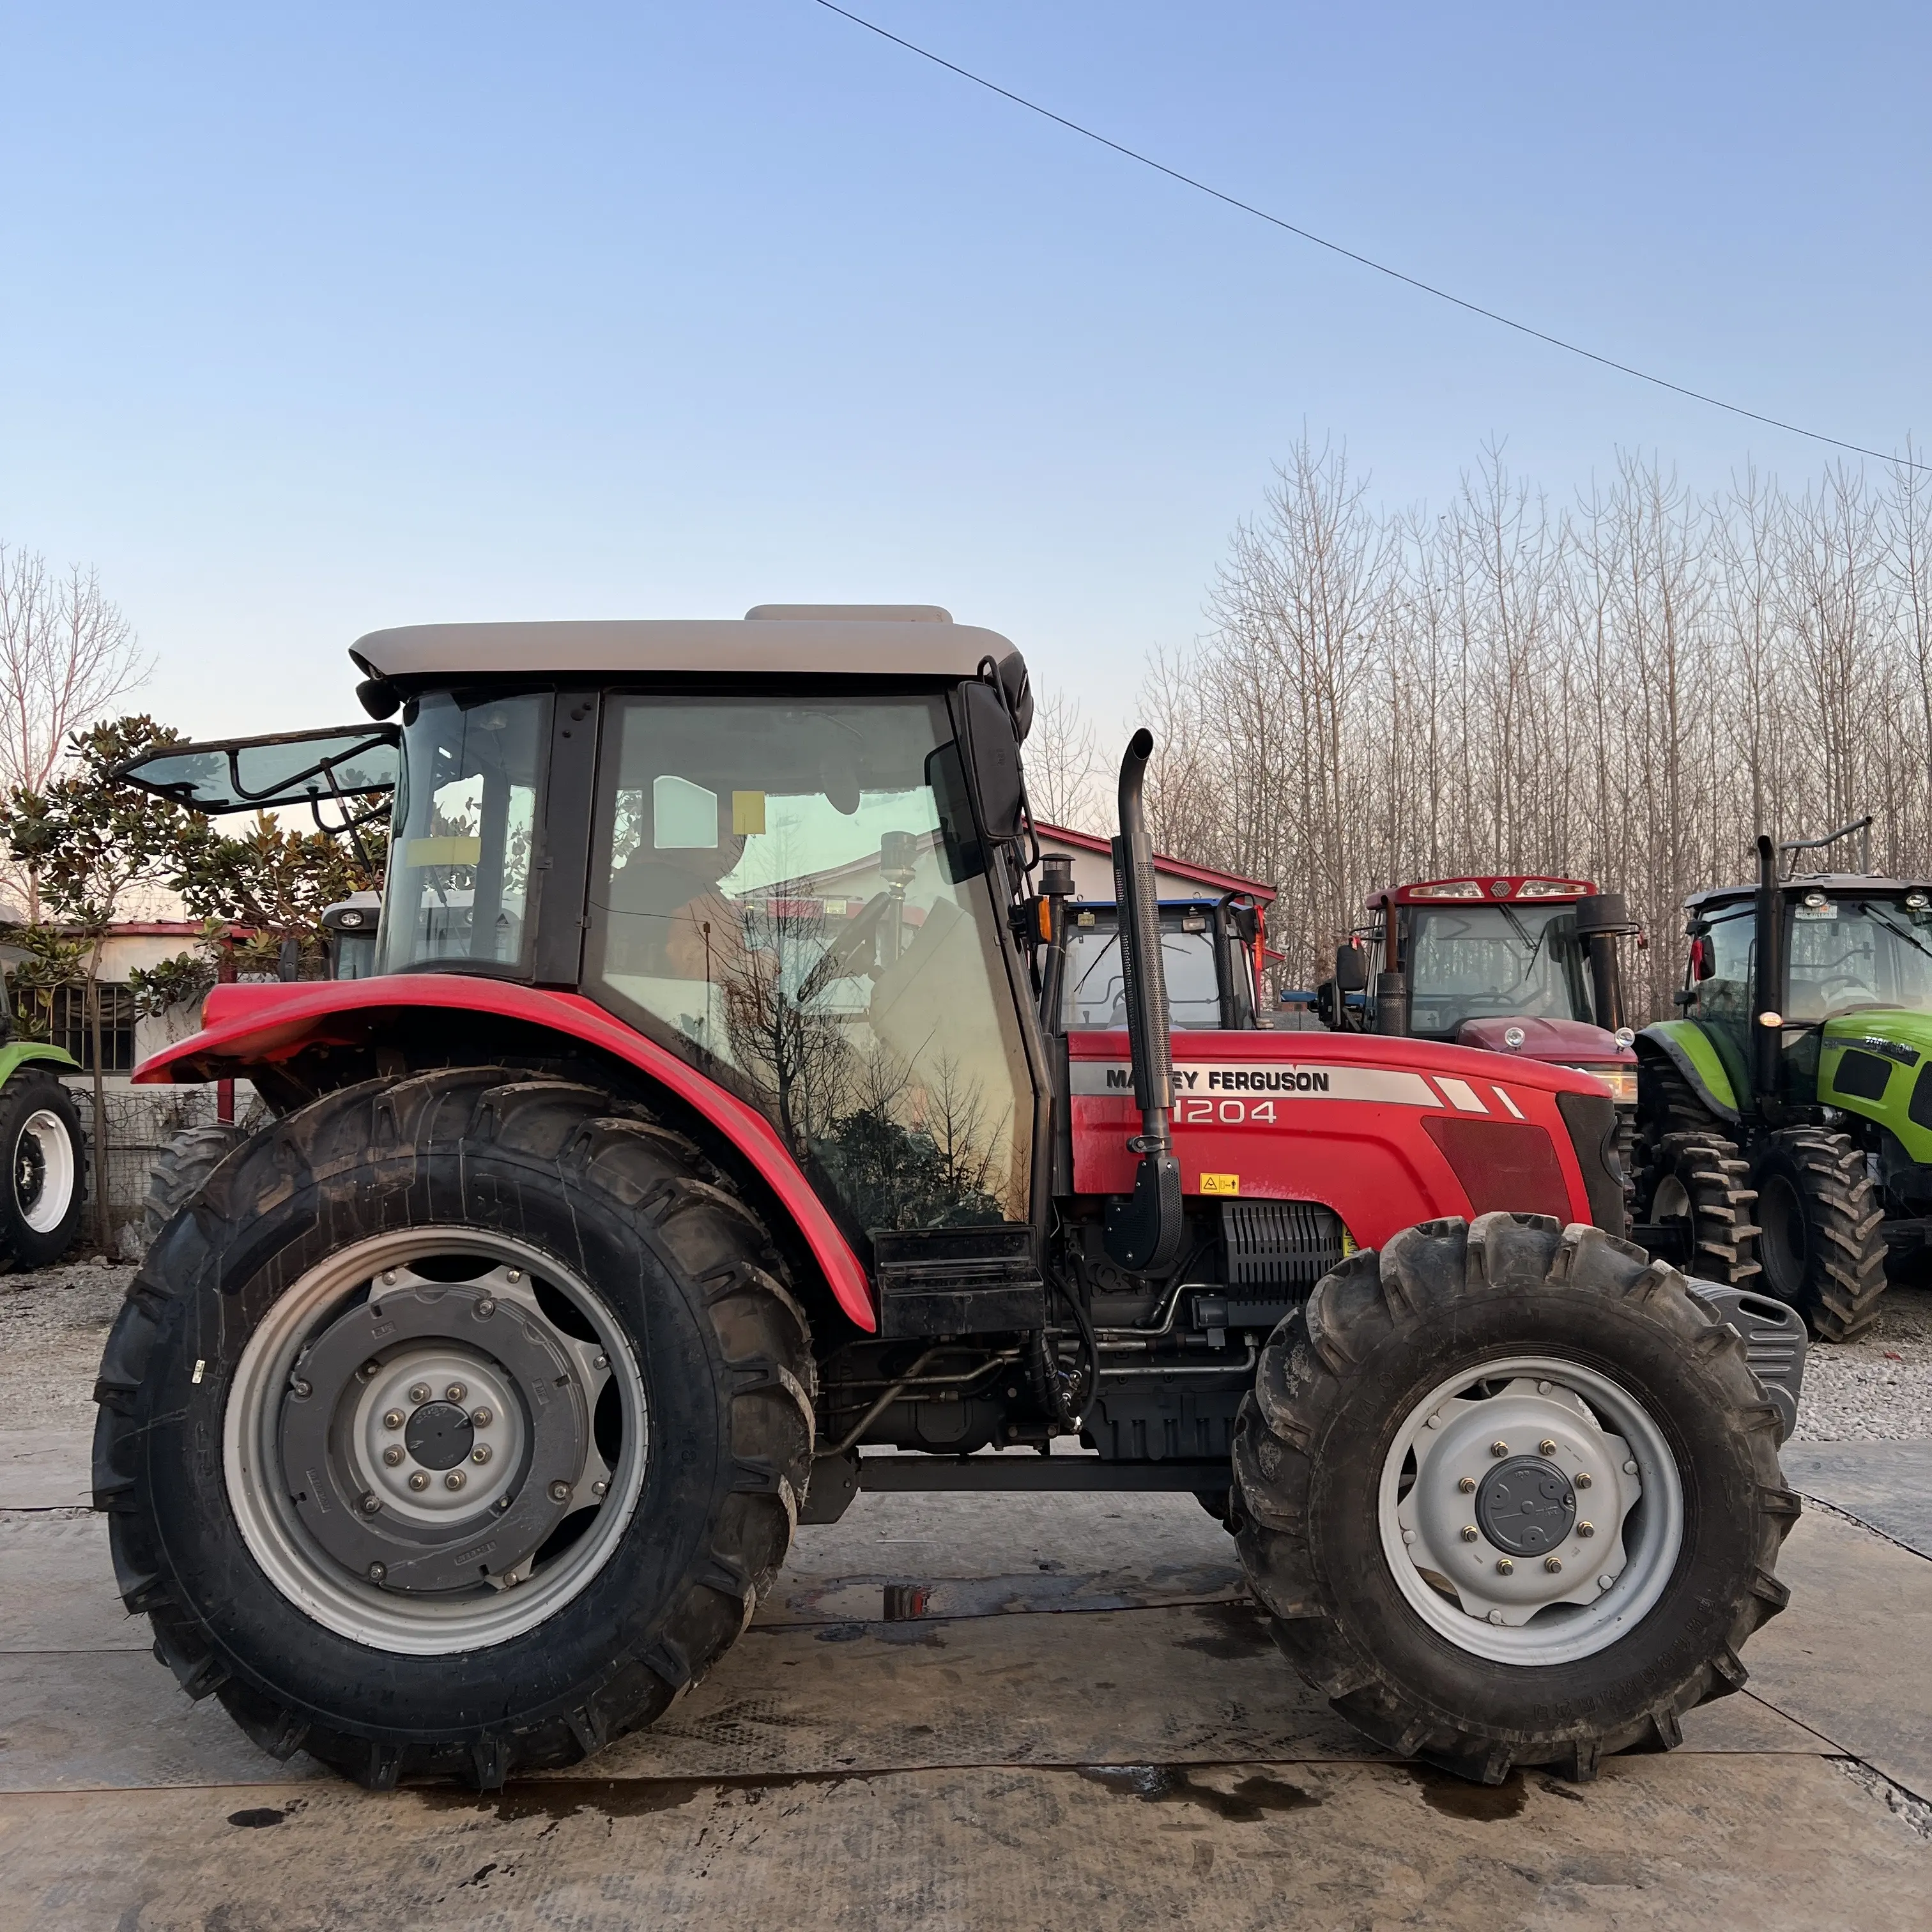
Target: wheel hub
1526,1506
439,1435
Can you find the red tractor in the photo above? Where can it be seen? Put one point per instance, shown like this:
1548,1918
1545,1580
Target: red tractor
709,1121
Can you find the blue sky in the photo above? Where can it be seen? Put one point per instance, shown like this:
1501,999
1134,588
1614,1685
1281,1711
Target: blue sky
315,318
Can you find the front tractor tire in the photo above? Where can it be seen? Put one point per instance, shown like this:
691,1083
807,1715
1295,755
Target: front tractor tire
454,1427
1510,1496
1698,1186
1822,1230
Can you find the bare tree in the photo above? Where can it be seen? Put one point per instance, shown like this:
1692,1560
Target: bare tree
66,655
1627,690
1063,767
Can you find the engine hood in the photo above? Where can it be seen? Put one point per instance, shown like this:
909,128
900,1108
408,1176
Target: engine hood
1892,1031
1568,1042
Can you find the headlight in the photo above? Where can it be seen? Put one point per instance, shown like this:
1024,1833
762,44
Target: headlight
1621,1081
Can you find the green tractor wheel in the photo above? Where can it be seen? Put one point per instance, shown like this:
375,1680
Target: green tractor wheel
46,1185
1821,1238
1699,1185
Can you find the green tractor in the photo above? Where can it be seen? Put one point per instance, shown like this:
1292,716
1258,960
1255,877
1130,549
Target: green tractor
46,1187
1805,1052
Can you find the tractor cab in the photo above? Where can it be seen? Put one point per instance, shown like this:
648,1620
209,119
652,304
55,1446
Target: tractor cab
1209,950
1512,964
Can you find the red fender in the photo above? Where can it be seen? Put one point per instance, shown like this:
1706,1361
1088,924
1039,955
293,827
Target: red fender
271,1023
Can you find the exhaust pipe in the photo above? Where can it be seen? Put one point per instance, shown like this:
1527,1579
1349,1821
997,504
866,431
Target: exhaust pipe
1143,1228
1767,995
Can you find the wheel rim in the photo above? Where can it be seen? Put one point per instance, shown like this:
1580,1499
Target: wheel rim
1782,1247
44,1169
466,1426
1531,1586
1671,1201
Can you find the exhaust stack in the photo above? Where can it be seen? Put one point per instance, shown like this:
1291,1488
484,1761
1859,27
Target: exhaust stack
1767,995
1143,1228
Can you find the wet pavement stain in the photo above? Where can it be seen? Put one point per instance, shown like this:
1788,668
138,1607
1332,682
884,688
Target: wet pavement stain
1478,1804
258,1815
559,1799
1252,1799
1235,1630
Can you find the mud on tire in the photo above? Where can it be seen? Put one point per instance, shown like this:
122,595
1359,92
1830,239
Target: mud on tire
1314,1439
600,1194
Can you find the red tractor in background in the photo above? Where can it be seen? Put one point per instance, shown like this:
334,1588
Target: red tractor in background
710,1122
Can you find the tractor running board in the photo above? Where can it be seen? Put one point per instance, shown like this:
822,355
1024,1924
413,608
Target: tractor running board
1033,1475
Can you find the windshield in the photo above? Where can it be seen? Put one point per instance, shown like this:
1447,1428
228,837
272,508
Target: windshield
1096,996
459,877
1494,962
785,889
1848,954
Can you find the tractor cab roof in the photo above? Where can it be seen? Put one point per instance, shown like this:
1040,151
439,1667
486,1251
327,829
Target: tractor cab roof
1834,885
899,640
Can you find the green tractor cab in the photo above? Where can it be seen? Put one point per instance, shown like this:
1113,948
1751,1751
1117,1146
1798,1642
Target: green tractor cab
1805,1050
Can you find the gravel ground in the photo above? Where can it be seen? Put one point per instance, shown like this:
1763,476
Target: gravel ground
53,1324
1879,1388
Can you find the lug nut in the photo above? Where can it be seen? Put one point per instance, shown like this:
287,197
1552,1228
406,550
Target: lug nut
600,1361
1495,1616
370,1504
367,1370
419,1392
600,1489
1498,1448
1543,1388
377,1571
1630,1466
1505,1567
513,1274
486,1308
1553,1564
394,1418
419,1481
1468,1532
559,1493
1586,1529
483,1418
1408,1536
456,1391
481,1453
455,1479
1467,1485
393,1454
389,1277
1604,1582
1545,1447
300,1388
503,1503
1584,1481
1434,1422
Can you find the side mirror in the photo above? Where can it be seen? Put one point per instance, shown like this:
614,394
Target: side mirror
1327,1006
993,762
1352,970
1703,964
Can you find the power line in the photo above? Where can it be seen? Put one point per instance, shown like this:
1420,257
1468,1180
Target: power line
1351,254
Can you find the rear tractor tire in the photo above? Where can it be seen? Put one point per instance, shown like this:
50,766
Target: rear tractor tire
1511,1496
1821,1243
456,1428
46,1186
182,1172
1699,1184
